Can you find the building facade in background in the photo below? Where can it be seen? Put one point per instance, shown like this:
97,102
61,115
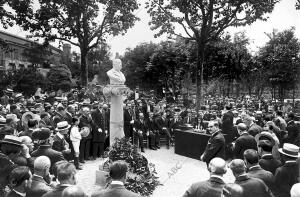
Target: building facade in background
14,59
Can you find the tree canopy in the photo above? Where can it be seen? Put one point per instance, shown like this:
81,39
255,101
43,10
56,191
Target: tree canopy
84,24
203,21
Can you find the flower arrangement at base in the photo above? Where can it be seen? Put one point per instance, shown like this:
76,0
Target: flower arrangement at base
141,177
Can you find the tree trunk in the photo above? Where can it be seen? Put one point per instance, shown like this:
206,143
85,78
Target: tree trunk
83,68
199,73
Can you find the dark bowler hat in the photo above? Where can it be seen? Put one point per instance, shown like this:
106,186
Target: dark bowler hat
42,134
11,139
290,150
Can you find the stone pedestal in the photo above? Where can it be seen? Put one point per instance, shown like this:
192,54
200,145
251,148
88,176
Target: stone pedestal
115,93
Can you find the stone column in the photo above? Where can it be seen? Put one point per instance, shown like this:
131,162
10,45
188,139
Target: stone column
115,93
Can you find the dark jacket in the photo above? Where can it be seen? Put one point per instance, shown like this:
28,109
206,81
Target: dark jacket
140,126
244,142
266,176
38,187
127,125
285,177
56,192
53,155
253,187
115,191
254,129
59,144
86,122
293,133
6,167
269,163
215,147
210,188
98,121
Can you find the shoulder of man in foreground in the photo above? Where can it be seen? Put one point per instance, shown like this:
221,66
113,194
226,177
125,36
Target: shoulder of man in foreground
123,193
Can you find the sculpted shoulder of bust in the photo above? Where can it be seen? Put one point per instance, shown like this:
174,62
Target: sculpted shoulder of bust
115,75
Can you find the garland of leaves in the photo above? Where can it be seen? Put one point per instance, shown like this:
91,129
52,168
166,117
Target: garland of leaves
141,177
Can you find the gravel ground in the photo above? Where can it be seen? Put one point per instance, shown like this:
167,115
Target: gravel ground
175,172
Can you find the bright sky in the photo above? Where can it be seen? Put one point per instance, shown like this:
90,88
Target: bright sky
283,17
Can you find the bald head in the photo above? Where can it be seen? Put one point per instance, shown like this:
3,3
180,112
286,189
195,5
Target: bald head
42,165
73,191
217,166
242,127
295,191
237,167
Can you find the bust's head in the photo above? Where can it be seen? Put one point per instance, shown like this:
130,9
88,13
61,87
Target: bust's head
117,64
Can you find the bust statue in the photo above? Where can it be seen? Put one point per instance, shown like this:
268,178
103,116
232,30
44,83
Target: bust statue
115,75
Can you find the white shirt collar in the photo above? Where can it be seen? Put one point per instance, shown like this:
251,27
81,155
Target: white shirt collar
38,176
117,183
291,161
60,135
20,193
254,166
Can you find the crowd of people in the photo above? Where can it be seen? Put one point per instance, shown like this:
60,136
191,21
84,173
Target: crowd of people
42,134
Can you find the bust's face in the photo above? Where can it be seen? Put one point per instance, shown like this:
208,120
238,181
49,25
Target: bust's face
117,64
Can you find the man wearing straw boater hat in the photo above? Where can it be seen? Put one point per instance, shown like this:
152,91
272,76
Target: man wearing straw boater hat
287,175
59,142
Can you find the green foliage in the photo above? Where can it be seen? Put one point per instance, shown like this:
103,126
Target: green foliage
142,175
99,63
279,58
134,66
37,54
87,22
204,21
28,80
60,77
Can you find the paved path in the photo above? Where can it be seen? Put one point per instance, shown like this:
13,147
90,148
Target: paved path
175,172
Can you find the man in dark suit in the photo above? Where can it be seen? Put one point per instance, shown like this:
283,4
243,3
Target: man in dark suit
253,129
66,176
267,161
39,186
20,180
227,120
10,149
244,142
140,129
251,186
128,121
59,115
254,169
98,132
59,142
152,129
287,175
212,187
163,127
293,131
117,172
85,143
45,148
216,144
